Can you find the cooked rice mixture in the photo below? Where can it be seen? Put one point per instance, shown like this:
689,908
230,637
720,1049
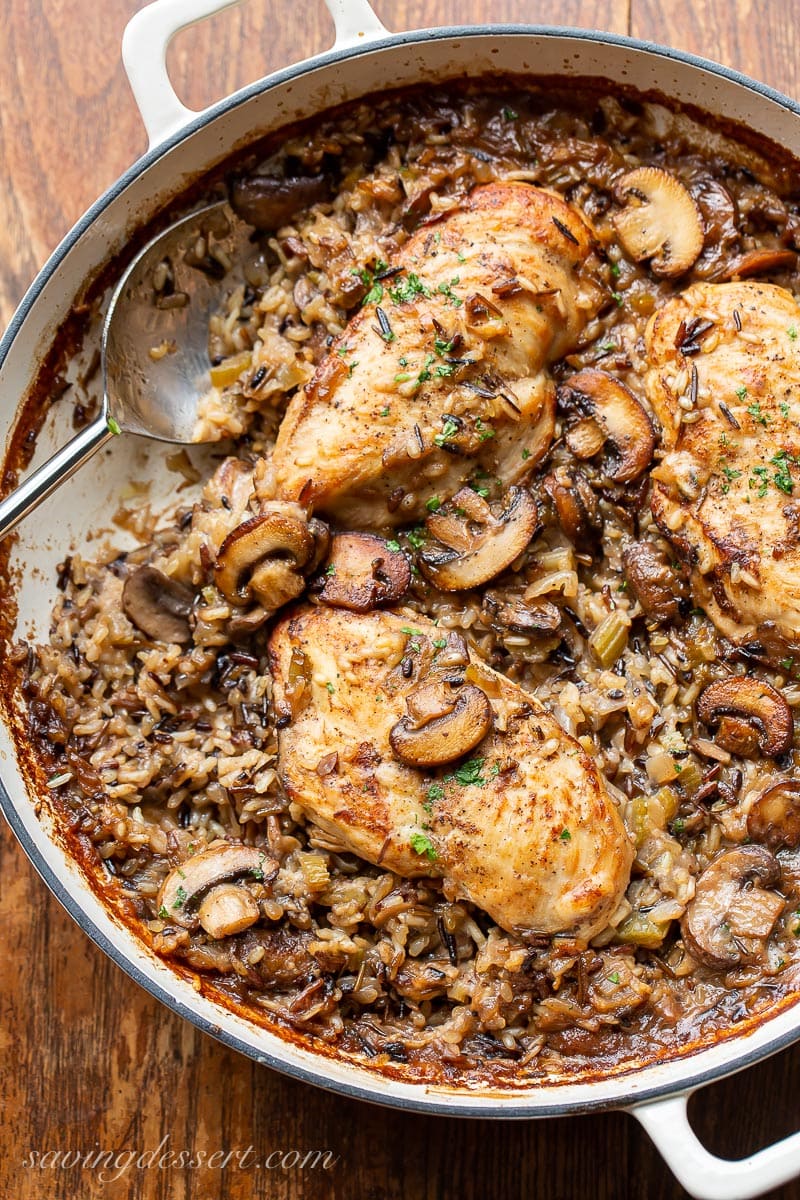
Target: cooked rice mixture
158,748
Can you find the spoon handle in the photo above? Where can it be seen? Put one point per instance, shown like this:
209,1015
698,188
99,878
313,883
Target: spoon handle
52,474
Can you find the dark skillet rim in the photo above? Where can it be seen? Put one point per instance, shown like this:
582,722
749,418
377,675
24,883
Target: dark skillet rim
440,1104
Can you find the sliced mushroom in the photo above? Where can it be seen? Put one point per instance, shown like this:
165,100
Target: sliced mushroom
227,909
263,560
774,818
517,616
760,262
267,201
443,723
629,436
188,883
478,545
363,573
732,913
659,589
747,714
157,605
660,221
575,504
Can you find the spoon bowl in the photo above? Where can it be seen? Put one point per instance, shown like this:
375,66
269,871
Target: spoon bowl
154,358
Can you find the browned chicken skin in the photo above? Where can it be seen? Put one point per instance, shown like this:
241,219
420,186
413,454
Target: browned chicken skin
724,380
446,374
526,829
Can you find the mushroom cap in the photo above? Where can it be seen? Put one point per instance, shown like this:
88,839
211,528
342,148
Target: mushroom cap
774,816
659,221
732,913
187,884
269,201
227,909
262,559
482,545
728,703
363,573
444,722
575,503
158,605
629,435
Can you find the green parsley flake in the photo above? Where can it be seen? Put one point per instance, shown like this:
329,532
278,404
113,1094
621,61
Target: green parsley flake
565,836
617,298
446,289
163,914
785,410
434,504
443,346
406,289
792,332
330,687
510,114
614,977
416,537
787,663
406,629
525,454
440,643
741,392
180,898
384,411
393,545
782,477
678,825
449,431
461,257
113,425
421,844
484,431
470,773
435,791
615,270
754,409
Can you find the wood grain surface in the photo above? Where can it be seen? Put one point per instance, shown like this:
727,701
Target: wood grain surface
90,1063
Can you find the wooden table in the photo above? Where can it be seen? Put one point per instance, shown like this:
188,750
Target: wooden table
87,1060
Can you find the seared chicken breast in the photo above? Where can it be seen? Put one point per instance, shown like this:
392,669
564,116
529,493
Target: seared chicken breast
724,380
443,372
521,824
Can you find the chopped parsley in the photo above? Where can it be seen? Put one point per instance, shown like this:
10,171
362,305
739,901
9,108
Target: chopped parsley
330,687
180,898
787,663
754,410
370,281
258,872
484,431
479,489
440,643
782,477
785,410
384,411
446,289
792,332
470,773
409,287
525,453
421,844
113,425
434,504
330,569
444,369
443,346
351,367
613,977
565,836
435,792
678,825
509,114
617,298
393,545
741,392
416,537
450,430
615,270
163,914
406,629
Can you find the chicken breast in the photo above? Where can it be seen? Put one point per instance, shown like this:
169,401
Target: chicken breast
444,371
524,828
724,380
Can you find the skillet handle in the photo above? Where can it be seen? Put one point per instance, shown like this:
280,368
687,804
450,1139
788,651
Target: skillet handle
149,32
705,1176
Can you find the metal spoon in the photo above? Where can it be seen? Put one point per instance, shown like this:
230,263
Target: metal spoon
142,392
